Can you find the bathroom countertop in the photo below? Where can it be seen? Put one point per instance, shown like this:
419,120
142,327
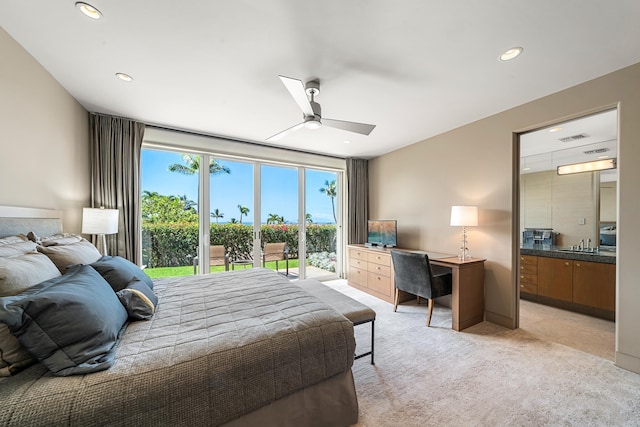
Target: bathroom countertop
606,257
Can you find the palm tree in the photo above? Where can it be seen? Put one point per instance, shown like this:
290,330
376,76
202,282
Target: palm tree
330,190
192,166
308,218
273,218
188,204
217,214
233,221
243,211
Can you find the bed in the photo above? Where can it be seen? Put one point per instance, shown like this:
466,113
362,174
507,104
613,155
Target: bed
240,348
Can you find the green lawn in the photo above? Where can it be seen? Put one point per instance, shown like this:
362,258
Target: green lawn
187,270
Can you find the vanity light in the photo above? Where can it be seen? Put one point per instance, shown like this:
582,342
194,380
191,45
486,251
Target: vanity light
510,54
89,10
596,165
124,77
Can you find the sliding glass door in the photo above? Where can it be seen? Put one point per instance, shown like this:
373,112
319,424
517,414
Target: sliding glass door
279,219
239,214
323,203
169,206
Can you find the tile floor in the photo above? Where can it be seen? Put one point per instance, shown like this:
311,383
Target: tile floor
584,333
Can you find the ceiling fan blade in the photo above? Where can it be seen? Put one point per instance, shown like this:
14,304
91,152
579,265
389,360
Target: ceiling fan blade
296,89
361,128
286,132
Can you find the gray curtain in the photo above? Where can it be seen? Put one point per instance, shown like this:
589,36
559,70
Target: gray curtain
358,202
115,178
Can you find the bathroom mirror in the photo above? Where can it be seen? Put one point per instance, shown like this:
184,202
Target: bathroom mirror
576,206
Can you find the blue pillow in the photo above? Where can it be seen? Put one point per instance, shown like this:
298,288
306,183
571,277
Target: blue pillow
119,272
138,299
70,323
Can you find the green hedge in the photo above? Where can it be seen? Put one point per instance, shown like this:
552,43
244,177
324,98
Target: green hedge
172,245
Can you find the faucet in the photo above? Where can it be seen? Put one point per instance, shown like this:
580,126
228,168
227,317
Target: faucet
581,245
589,245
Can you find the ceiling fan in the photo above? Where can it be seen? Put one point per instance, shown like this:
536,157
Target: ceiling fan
304,96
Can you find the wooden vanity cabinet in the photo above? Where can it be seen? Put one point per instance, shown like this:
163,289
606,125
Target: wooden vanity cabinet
555,278
594,284
529,274
583,286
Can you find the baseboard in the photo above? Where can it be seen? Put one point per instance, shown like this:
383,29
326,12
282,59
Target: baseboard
628,362
498,319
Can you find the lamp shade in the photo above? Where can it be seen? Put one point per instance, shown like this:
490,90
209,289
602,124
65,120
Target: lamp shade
464,216
99,221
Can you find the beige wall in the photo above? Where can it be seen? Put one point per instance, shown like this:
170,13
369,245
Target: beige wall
44,148
473,164
549,200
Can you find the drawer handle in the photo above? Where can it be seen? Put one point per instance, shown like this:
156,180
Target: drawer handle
566,263
377,268
522,277
577,264
521,258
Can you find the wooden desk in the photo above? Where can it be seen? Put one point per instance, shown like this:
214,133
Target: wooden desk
371,271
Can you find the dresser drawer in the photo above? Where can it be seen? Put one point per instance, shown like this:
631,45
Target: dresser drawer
529,288
358,254
357,276
379,258
358,263
531,279
528,268
528,259
382,270
379,284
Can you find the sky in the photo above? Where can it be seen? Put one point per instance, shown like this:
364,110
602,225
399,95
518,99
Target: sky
279,191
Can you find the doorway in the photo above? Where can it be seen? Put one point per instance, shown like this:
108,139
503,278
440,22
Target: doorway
567,228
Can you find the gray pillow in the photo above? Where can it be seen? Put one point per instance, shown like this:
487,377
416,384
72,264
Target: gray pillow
60,239
82,252
138,299
71,323
119,272
18,274
15,249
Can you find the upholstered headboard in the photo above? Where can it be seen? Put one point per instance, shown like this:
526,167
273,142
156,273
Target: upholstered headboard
16,220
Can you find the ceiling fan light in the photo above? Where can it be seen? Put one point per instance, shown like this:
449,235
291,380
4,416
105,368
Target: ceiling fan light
312,124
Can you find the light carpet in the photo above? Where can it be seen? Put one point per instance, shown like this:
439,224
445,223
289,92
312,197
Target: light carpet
486,375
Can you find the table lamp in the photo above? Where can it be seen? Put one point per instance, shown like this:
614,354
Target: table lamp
464,216
100,221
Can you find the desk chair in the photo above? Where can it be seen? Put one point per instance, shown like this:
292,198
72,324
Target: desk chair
217,256
415,275
275,252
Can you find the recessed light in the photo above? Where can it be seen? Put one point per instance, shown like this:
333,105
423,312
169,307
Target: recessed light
347,141
89,10
510,54
554,129
124,77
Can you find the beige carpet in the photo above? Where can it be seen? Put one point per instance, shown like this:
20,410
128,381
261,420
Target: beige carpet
484,376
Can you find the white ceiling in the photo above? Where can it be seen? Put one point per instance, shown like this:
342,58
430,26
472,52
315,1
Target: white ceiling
415,68
544,149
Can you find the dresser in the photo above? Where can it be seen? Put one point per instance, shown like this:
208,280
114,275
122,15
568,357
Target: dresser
371,270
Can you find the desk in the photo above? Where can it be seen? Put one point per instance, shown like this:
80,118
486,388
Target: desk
371,271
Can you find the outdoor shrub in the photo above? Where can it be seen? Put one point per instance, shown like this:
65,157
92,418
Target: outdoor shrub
175,244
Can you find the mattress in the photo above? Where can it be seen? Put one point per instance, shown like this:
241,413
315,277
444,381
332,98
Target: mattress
218,347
